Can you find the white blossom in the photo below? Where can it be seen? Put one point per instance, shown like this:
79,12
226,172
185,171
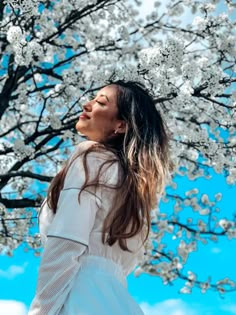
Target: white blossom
200,23
21,149
225,224
14,34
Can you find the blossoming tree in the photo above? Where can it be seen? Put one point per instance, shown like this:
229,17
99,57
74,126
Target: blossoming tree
55,53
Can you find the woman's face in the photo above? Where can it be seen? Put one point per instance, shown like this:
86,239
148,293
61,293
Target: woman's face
100,120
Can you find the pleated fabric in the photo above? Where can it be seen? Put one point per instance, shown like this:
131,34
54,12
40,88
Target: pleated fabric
100,287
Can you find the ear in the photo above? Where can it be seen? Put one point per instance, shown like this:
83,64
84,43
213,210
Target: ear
121,126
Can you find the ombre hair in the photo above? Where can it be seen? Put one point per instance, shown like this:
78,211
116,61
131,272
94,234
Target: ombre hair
143,153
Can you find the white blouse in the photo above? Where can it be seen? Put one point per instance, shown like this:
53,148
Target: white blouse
76,230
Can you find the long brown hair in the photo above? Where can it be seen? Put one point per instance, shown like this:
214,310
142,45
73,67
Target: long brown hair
143,154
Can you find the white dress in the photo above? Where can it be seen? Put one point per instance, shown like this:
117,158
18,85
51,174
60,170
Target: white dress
78,274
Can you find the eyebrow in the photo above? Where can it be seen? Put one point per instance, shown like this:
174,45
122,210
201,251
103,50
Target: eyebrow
105,96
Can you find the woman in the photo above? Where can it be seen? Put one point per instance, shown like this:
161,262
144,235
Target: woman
97,216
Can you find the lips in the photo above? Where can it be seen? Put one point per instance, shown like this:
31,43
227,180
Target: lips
84,115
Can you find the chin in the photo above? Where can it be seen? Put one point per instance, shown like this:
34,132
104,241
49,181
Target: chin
78,127
81,134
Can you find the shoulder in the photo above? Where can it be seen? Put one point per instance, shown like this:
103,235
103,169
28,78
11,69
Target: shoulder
95,150
85,145
98,157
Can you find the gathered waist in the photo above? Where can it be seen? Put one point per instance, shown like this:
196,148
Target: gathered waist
105,264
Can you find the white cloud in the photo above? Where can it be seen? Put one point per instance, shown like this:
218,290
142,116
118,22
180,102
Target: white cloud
13,271
170,307
10,307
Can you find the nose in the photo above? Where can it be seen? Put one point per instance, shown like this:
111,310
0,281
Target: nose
87,107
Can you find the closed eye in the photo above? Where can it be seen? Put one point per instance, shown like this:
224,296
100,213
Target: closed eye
101,103
92,96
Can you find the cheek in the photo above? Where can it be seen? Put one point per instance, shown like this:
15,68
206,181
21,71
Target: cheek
102,115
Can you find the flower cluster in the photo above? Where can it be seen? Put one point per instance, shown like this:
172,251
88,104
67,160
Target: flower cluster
25,51
26,7
21,150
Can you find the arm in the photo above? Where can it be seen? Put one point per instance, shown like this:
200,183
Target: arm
58,268
68,238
